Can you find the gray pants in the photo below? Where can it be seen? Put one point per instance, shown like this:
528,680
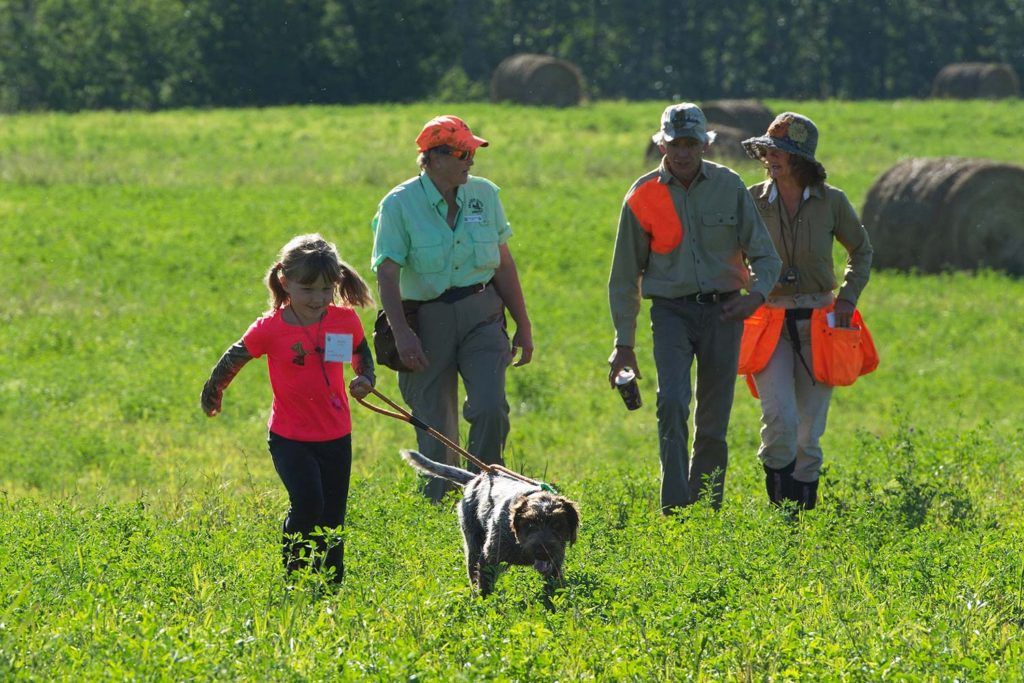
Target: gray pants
464,338
684,331
794,410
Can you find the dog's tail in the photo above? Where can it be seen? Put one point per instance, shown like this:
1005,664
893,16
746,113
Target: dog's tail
436,469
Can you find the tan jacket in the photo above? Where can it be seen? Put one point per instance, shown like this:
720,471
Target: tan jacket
806,244
704,247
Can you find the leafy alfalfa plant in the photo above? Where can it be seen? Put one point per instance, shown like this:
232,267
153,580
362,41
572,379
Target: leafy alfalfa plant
921,487
907,498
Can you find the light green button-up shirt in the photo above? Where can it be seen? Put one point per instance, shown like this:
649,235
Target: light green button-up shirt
724,242
411,230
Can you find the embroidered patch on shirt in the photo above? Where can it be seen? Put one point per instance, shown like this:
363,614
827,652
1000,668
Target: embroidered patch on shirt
475,205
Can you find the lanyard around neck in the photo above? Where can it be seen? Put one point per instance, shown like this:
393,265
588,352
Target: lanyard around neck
783,224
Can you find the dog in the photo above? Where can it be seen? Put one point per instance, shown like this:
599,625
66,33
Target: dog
505,520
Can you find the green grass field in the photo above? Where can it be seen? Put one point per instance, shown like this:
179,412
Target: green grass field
141,538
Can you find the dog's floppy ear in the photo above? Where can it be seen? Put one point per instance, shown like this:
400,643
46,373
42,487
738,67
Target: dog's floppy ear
517,511
567,511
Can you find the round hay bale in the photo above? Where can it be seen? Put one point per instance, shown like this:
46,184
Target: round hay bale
748,116
971,80
936,214
537,79
727,143
725,147
653,154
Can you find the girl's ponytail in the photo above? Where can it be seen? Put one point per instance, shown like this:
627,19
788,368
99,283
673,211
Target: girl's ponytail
278,297
352,289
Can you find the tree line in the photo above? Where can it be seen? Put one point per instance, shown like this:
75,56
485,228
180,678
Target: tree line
150,54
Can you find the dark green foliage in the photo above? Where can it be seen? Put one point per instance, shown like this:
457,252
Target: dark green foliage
89,54
117,54
85,54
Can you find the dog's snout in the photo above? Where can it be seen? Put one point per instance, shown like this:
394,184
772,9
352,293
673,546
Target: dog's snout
545,546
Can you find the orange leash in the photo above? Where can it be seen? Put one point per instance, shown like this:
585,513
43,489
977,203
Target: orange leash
405,416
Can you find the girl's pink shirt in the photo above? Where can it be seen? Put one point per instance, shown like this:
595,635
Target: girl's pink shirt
305,408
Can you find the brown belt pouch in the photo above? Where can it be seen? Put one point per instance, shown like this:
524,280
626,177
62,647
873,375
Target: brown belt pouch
384,347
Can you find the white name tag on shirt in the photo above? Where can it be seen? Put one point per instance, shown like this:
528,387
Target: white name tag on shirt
473,219
338,348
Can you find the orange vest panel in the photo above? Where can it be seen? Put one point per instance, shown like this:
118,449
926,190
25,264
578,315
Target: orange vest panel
652,205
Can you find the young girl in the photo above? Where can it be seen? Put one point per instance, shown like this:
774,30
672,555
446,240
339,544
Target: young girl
307,339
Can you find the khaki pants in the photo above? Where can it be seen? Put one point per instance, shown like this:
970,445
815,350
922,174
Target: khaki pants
685,331
794,410
464,338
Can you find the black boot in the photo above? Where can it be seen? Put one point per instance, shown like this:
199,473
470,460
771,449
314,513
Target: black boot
805,493
778,483
292,553
334,558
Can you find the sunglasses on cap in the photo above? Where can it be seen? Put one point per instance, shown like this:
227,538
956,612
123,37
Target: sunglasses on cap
459,154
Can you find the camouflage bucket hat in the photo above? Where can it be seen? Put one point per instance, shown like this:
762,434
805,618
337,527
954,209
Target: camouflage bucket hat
789,132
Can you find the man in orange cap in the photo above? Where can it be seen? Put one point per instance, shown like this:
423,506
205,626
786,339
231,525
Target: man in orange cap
441,249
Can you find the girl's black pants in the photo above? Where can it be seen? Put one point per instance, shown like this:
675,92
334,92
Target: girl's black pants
316,474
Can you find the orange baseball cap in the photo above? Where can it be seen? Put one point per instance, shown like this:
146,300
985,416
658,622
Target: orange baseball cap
448,130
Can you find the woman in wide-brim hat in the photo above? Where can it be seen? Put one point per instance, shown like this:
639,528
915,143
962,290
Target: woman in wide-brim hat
804,214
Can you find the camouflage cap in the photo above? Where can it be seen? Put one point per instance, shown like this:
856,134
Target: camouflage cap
683,120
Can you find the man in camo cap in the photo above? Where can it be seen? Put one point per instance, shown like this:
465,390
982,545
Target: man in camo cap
689,236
